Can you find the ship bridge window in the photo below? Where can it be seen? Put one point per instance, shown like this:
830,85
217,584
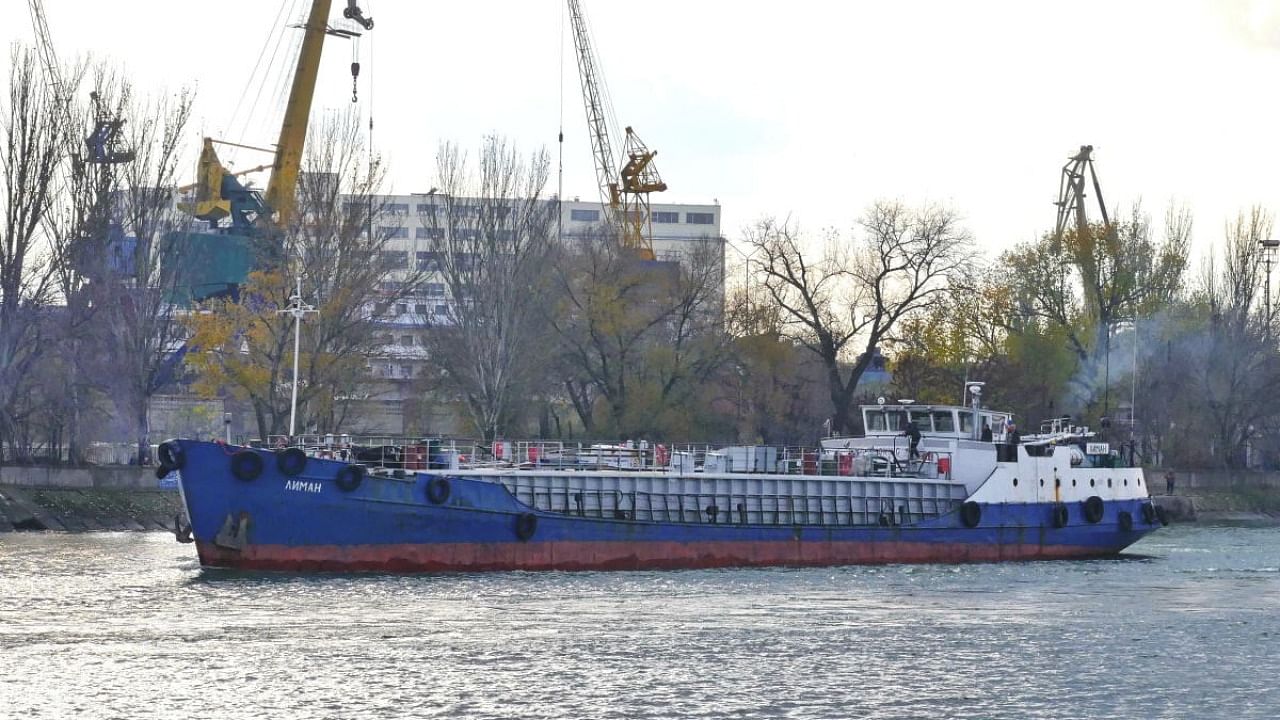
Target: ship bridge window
944,421
922,420
966,423
875,421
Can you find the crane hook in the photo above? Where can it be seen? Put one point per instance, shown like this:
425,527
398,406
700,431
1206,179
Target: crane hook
355,75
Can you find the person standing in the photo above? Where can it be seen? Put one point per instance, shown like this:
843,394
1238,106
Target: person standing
1168,482
913,434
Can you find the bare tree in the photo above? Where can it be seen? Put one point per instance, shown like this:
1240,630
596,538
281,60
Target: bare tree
491,240
144,261
32,128
858,292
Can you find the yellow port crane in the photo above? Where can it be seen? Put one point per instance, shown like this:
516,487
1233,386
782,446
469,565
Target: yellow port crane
623,191
216,200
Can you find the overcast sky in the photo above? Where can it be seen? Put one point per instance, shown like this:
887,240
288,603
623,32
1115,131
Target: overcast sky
802,108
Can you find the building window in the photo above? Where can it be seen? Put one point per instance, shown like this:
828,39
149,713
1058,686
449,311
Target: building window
585,215
434,289
442,309
469,234
398,209
420,309
426,209
394,233
428,261
666,218
700,218
391,286
406,340
394,259
402,308
406,371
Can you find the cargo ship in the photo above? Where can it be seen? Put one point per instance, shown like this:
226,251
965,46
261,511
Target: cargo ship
924,484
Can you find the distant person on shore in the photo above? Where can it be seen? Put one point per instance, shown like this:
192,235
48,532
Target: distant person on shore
1168,482
986,432
913,434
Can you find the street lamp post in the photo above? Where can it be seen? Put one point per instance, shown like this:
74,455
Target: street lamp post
299,310
746,269
1268,257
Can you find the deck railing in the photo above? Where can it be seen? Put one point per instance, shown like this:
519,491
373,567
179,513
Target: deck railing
890,460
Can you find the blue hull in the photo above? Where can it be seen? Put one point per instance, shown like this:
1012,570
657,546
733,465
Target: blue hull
435,521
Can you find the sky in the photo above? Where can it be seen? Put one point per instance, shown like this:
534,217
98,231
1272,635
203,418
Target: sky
805,110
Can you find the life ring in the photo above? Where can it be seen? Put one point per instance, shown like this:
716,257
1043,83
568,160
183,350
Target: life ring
1126,520
349,477
291,462
1093,509
971,514
1060,515
661,455
438,490
1149,513
526,526
171,456
246,465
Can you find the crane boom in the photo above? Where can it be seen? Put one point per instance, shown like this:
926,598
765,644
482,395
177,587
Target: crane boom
623,191
597,124
281,195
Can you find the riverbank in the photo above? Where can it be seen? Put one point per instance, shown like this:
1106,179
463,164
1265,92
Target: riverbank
116,498
88,499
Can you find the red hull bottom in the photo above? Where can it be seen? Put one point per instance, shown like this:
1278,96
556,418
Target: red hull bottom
445,557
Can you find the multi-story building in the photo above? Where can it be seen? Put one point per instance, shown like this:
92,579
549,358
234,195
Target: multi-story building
409,222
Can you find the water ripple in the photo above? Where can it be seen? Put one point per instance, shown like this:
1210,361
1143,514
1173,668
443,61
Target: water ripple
127,626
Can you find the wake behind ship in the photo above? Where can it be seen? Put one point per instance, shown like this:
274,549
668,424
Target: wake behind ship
335,504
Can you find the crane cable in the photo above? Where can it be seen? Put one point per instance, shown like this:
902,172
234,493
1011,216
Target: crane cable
560,183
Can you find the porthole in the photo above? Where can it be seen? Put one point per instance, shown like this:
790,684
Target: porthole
1073,482
1015,482
1041,482
1057,482
1091,482
1108,482
1126,482
1139,481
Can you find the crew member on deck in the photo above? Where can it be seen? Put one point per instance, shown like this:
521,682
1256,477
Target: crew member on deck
913,434
986,432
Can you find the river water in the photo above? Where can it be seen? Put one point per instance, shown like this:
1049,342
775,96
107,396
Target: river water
128,626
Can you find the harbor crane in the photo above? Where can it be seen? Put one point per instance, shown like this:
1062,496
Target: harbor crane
219,194
1071,193
624,190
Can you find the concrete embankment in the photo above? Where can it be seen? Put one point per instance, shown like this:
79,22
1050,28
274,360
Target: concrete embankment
85,499
1219,495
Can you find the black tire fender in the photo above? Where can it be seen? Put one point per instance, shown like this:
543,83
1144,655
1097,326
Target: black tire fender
171,456
1093,509
1162,515
1061,516
349,478
246,465
1125,518
438,490
526,526
971,514
1149,513
291,461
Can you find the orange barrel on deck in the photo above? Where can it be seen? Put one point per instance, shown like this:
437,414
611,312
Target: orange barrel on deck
809,461
415,457
844,463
